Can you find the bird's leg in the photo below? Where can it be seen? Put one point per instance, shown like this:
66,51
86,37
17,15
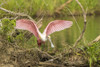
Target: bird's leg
50,42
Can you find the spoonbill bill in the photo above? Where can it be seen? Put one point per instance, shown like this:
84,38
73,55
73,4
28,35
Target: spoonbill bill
53,26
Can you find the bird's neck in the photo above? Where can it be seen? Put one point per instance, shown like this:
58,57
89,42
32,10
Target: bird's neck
42,36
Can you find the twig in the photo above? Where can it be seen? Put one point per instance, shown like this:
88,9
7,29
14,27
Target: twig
85,21
74,19
95,40
19,14
45,53
62,6
39,23
50,64
9,18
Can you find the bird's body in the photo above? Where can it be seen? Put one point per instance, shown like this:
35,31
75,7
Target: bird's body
42,36
53,26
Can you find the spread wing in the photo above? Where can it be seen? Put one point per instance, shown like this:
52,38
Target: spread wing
26,24
57,25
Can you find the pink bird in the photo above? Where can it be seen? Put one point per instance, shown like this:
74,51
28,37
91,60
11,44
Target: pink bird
53,26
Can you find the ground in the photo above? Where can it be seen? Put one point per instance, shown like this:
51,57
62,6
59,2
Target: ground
11,55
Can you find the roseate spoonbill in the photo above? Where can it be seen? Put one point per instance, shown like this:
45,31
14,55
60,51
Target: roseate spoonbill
53,26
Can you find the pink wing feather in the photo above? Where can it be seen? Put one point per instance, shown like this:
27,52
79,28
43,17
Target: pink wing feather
29,25
57,25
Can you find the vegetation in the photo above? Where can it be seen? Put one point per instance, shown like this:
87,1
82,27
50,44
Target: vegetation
93,53
63,53
22,38
46,7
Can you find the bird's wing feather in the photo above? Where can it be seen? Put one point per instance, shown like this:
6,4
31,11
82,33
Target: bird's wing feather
26,24
57,25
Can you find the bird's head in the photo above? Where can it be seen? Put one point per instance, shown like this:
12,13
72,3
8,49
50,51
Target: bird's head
39,42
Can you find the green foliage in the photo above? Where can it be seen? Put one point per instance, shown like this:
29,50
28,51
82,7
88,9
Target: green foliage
26,42
7,31
88,5
7,28
39,7
93,53
20,38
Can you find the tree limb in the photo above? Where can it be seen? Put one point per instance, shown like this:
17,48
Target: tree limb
18,14
39,23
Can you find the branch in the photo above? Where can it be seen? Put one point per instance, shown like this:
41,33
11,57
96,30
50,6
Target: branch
50,64
39,23
41,52
18,14
85,21
62,6
95,40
